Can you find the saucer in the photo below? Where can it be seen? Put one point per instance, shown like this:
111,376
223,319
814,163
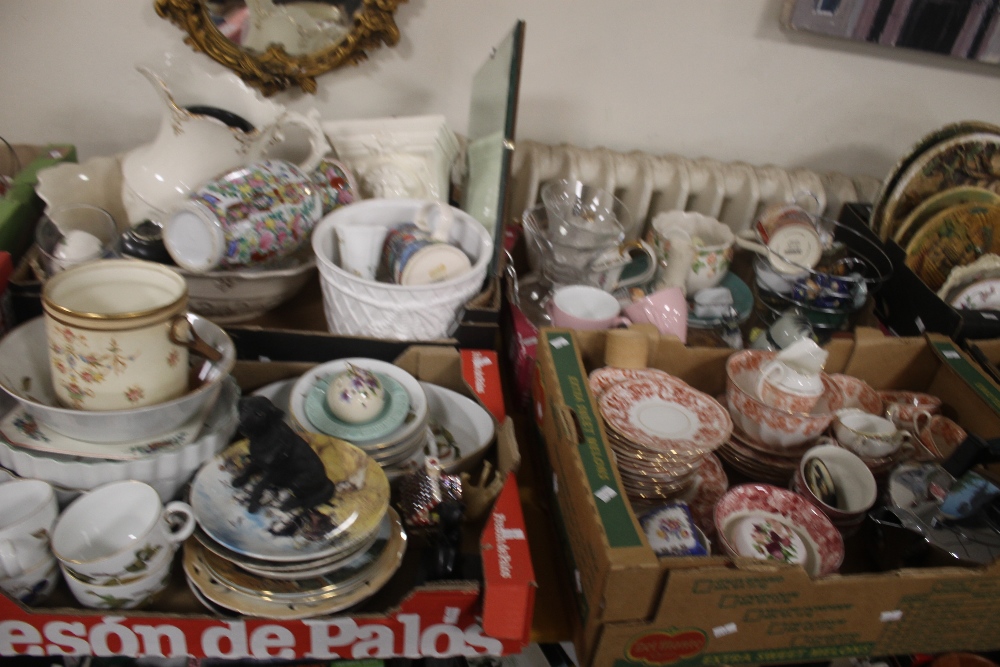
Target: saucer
602,379
20,428
667,417
392,416
351,515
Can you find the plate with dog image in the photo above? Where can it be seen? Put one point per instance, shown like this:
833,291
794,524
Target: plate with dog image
280,531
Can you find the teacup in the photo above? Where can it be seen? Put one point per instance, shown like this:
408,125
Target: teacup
35,584
867,435
666,309
712,246
118,334
941,436
782,387
119,531
254,214
127,593
831,473
910,410
419,253
584,307
28,511
787,236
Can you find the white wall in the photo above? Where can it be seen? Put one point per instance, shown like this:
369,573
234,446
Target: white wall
694,77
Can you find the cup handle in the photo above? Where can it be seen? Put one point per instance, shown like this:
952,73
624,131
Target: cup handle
180,520
445,218
747,240
766,372
922,414
626,249
8,560
182,333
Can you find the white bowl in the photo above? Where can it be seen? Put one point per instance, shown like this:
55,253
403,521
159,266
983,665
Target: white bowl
25,375
166,470
97,181
227,297
418,400
470,428
357,306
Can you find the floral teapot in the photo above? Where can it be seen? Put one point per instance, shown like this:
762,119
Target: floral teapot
211,123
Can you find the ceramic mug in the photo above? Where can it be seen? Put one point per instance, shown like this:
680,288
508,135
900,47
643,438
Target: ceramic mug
418,253
666,309
584,307
33,585
711,246
852,482
787,236
127,593
28,511
118,334
119,531
910,410
867,435
784,388
251,215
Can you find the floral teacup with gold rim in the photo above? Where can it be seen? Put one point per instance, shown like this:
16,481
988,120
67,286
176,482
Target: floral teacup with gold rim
118,334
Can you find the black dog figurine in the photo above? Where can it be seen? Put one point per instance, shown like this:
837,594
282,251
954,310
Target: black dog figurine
285,460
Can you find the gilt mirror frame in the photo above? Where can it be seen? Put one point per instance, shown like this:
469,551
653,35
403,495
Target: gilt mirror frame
275,70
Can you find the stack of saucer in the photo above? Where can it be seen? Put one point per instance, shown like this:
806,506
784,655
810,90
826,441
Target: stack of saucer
395,437
761,462
660,429
292,563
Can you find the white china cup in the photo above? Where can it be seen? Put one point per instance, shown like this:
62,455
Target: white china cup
118,334
28,511
118,531
35,584
127,593
867,435
781,386
908,418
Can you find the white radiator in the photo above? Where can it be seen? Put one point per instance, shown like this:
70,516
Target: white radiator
733,192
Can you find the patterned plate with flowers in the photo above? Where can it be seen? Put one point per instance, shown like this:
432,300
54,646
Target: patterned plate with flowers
603,378
349,517
665,416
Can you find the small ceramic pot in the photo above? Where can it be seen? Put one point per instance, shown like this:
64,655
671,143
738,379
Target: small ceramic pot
28,511
34,585
355,396
118,334
248,216
128,593
869,436
119,531
584,308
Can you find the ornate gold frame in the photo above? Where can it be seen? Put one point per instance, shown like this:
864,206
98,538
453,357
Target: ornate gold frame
275,70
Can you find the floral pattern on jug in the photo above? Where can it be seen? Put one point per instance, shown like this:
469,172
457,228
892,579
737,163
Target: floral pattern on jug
267,210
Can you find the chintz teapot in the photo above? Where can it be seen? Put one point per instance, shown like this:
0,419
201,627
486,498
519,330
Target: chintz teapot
211,123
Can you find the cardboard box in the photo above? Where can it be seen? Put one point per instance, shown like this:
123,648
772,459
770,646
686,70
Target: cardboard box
636,609
489,614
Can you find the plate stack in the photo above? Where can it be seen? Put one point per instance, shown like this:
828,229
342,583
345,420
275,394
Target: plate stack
661,430
759,461
395,438
292,563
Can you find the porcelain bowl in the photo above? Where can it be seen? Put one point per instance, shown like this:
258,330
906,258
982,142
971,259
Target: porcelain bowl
777,429
855,485
25,375
360,306
858,394
166,470
761,503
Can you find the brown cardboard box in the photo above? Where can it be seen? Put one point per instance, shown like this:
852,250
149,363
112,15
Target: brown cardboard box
637,609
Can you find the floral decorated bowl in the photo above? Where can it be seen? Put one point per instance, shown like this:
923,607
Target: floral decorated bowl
773,428
770,523
858,394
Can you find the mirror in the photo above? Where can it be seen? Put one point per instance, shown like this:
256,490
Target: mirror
276,44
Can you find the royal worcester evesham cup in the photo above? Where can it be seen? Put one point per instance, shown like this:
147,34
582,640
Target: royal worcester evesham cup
712,246
584,307
868,435
118,334
128,592
119,531
251,215
28,511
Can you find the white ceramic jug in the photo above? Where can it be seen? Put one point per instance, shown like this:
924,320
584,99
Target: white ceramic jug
211,124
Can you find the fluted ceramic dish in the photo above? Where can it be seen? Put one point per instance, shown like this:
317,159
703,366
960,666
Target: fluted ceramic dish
166,470
25,375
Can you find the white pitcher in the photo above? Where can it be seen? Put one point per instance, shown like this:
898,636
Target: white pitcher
211,124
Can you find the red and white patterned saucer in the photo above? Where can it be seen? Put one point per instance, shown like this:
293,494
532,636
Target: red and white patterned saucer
603,378
665,416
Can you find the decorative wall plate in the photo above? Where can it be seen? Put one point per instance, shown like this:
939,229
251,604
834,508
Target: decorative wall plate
937,203
968,159
351,515
962,278
955,237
